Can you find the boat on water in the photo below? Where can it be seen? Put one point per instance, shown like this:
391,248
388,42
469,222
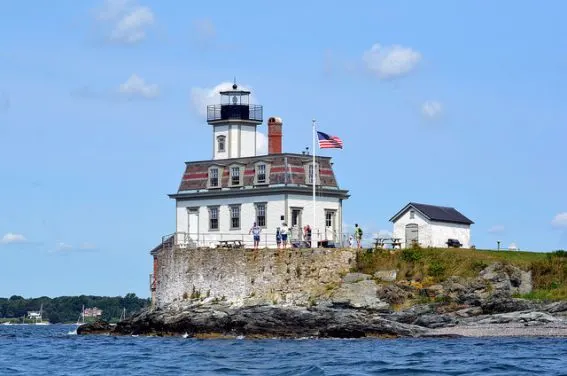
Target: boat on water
7,323
81,319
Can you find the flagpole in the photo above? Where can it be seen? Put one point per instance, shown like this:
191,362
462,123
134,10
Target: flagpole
313,244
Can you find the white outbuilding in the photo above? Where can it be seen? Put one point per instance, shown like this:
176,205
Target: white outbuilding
431,226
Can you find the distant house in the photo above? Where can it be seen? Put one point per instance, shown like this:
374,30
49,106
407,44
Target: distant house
431,226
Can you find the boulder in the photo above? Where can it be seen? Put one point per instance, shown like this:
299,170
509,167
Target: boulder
97,327
355,277
507,279
386,275
393,294
503,304
362,294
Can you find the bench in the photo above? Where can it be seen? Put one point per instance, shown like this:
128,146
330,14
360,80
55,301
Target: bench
453,243
231,244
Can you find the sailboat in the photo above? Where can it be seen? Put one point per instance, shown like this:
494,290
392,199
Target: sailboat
123,315
81,319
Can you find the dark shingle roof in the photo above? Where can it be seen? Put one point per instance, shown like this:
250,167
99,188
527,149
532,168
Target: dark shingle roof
436,213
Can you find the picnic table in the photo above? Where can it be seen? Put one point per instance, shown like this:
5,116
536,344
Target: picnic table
381,242
231,244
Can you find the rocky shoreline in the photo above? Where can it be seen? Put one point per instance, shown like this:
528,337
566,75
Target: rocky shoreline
364,306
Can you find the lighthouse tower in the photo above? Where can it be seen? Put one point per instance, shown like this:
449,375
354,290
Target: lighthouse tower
234,123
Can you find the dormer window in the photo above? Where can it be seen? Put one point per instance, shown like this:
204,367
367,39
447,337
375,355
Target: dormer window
261,173
235,175
309,172
213,177
221,144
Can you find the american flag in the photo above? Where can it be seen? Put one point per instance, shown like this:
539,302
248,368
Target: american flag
329,142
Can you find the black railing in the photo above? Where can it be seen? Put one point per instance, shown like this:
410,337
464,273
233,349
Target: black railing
234,112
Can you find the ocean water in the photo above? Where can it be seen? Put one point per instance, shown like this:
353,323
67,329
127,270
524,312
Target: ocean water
55,350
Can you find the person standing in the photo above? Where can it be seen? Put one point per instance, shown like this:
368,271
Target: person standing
357,235
278,237
284,232
307,235
255,231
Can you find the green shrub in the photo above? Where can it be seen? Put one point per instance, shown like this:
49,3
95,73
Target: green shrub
411,254
436,269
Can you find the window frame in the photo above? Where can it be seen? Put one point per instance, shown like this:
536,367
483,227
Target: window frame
308,173
412,214
239,208
210,209
219,176
221,140
257,206
240,175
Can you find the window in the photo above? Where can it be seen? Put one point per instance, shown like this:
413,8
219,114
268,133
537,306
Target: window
261,173
214,177
214,218
329,218
221,143
235,175
261,214
235,217
411,214
309,172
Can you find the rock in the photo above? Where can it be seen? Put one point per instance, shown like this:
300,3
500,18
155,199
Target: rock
557,307
267,321
386,275
507,279
97,327
434,291
502,304
392,294
469,312
362,294
355,277
435,321
522,317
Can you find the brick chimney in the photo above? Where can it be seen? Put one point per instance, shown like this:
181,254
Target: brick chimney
274,135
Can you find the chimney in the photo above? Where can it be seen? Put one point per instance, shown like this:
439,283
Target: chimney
274,135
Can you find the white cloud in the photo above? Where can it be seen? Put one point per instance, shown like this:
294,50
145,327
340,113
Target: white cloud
560,220
431,108
10,238
66,247
135,86
63,247
200,98
128,20
496,229
390,61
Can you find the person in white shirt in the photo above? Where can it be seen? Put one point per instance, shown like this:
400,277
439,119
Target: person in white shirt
284,231
255,231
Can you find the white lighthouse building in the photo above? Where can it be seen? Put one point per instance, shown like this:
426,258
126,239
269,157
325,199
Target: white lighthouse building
219,199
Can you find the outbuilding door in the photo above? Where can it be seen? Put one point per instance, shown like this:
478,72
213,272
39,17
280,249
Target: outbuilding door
412,234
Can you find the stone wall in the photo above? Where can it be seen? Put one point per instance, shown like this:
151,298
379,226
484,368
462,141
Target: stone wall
290,276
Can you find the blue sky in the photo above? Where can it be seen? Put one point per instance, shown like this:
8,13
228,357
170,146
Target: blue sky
448,103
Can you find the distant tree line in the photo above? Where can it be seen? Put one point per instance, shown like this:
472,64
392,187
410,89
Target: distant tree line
67,309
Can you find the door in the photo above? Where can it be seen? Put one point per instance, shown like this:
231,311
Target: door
330,225
412,234
193,230
296,227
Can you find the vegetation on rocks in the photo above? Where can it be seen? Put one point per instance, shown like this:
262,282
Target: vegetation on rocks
426,267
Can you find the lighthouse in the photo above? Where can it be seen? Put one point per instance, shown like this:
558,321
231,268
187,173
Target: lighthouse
234,121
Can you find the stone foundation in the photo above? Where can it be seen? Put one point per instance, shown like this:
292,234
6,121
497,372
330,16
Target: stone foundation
287,276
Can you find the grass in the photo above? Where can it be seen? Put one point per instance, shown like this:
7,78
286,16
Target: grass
549,270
